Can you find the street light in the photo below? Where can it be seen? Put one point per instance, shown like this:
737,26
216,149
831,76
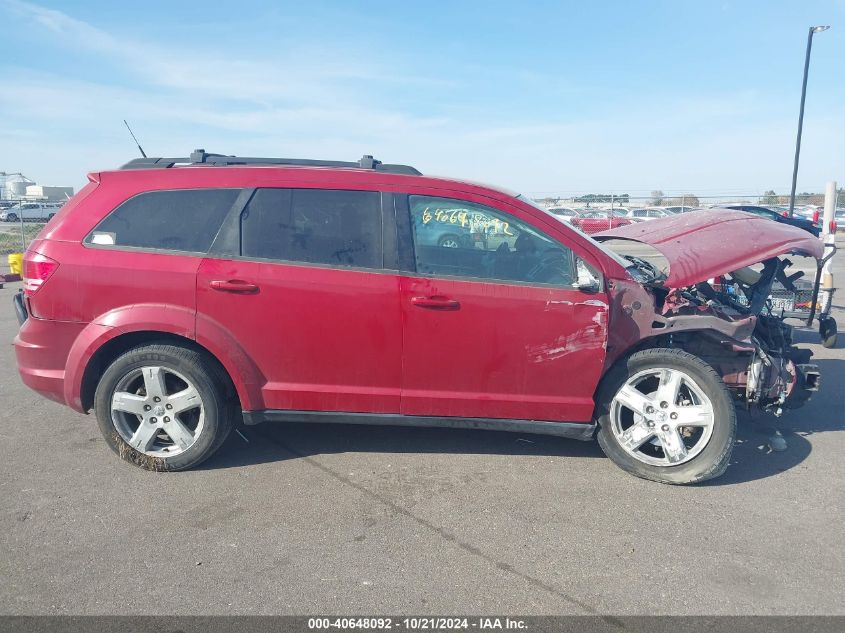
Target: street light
813,30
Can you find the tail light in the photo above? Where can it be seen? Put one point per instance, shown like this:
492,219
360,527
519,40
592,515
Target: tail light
816,216
37,269
833,227
786,214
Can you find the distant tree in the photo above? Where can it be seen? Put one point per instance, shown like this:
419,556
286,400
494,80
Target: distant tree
657,197
803,198
769,197
686,200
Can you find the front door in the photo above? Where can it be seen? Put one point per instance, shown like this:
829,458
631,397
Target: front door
494,324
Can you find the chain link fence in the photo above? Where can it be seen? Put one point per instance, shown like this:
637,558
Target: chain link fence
15,238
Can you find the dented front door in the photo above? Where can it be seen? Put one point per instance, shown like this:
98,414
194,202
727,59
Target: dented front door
504,351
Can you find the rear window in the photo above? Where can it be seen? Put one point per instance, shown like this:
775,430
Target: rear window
184,220
316,226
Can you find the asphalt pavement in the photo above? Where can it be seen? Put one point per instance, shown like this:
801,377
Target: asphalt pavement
298,519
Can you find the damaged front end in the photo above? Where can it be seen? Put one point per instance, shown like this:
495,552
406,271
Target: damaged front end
715,304
763,368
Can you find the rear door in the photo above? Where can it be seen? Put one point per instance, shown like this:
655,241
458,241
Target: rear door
303,290
495,327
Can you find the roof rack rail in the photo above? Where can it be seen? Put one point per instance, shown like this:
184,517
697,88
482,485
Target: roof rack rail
201,157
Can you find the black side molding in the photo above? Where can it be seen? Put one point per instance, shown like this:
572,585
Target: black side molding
583,431
20,307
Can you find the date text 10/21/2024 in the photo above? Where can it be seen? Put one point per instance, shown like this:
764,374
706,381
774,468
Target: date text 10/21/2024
417,623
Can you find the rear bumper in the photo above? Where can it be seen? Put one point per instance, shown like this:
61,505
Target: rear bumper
42,349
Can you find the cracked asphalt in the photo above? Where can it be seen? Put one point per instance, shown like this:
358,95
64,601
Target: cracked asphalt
343,519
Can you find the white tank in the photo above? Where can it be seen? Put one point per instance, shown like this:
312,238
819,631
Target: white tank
18,187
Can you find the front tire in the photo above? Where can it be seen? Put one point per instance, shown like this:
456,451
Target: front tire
11,217
164,407
666,415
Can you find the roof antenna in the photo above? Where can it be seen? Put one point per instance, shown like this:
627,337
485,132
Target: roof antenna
134,139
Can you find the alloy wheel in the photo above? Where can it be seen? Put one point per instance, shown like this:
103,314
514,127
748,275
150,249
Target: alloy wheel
157,411
662,417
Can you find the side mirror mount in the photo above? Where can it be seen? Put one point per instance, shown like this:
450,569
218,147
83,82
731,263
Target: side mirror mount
586,285
588,280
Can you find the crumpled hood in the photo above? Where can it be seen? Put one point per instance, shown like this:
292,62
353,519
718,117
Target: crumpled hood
700,245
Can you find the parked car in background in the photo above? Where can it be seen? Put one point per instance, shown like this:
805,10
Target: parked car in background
30,212
677,209
564,213
839,218
594,221
455,230
810,212
179,297
649,213
765,212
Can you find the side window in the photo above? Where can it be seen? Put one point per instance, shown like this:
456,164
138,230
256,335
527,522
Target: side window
463,239
316,226
184,220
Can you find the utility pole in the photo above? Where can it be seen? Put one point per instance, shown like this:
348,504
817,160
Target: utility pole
813,31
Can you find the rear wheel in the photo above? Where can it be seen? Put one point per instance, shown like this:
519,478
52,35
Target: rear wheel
163,407
666,415
11,217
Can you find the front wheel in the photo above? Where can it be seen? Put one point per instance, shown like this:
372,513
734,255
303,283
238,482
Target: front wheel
666,415
163,407
11,217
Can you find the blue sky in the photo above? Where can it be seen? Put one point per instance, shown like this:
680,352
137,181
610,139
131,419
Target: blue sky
541,97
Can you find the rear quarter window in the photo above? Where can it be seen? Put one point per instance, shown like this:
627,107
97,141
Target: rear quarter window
181,220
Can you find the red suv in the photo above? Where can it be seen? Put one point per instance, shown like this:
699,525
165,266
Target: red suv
177,297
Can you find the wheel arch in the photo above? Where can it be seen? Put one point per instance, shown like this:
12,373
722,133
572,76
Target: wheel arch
106,353
657,339
118,330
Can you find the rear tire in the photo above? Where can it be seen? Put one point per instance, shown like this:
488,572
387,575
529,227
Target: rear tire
163,407
642,406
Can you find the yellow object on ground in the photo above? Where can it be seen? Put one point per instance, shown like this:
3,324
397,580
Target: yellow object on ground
16,263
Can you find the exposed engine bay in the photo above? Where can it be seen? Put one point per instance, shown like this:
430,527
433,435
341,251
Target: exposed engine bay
731,323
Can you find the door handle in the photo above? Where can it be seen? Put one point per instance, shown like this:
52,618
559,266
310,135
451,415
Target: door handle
238,286
437,302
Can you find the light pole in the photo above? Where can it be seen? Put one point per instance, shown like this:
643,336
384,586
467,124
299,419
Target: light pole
813,31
